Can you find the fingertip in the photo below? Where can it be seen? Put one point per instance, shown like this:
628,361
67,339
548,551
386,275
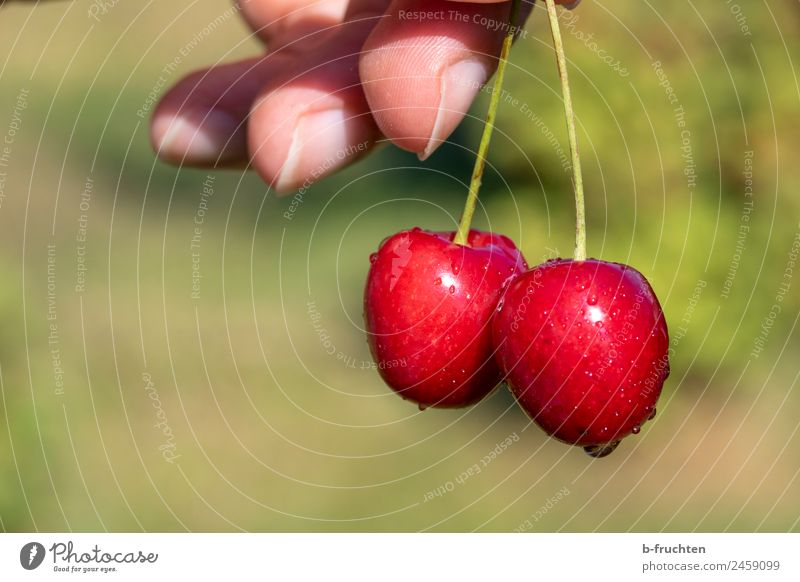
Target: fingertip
459,85
297,138
198,137
422,68
202,119
419,109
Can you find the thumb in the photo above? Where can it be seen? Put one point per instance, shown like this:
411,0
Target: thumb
424,64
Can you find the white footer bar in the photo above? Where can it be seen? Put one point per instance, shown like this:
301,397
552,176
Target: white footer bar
401,557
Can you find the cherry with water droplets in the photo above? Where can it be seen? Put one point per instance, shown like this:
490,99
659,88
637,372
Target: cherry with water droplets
428,305
584,384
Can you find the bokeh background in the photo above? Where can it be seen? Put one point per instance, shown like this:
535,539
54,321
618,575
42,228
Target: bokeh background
130,400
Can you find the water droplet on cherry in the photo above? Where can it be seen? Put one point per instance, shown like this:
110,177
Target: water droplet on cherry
437,281
600,451
373,258
452,289
636,429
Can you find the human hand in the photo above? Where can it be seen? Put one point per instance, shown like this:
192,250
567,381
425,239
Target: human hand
338,76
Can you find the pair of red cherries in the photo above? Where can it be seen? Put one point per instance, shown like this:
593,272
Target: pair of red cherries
583,345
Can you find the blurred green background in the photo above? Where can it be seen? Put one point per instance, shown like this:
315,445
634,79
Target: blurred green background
266,430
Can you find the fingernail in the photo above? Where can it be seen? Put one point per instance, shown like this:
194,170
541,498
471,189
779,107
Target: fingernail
319,146
460,84
200,137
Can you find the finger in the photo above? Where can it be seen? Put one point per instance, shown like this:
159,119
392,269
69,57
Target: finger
280,22
424,64
565,3
202,120
307,125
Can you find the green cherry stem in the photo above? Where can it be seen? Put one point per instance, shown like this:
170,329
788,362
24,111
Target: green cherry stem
577,175
483,148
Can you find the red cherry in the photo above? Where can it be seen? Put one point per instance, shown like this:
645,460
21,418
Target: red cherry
428,305
585,346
